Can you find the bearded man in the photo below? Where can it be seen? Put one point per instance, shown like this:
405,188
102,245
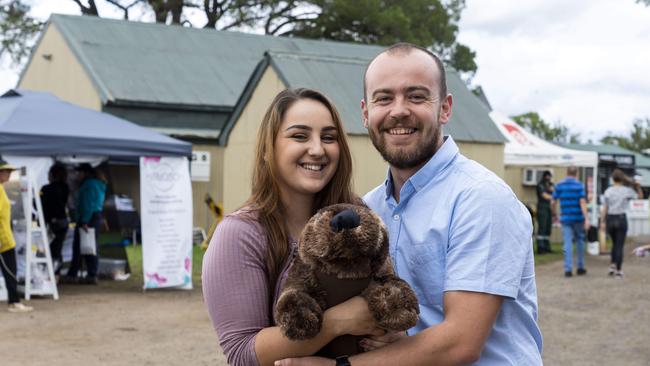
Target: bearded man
458,234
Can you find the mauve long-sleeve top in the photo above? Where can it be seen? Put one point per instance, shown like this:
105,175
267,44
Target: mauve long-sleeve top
235,286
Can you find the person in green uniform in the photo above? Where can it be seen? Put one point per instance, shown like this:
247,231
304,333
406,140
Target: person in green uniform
545,190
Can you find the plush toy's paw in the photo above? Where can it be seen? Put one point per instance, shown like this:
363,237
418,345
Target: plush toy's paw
393,304
298,315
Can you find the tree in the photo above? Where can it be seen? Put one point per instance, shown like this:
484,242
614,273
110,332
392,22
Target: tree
18,31
533,123
646,2
638,140
270,15
428,23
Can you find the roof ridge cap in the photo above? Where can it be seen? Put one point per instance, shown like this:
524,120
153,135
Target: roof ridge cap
316,56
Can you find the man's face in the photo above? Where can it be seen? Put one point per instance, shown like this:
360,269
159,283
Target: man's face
403,112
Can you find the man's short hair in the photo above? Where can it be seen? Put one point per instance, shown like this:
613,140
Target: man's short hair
572,171
405,48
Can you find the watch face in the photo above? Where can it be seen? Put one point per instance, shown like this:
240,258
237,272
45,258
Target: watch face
342,361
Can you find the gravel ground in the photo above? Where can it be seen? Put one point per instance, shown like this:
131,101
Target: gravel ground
596,319
590,320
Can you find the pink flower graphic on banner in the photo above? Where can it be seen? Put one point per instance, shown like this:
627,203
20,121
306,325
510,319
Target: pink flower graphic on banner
154,276
188,263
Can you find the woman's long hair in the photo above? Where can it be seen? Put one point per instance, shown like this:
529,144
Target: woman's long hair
265,196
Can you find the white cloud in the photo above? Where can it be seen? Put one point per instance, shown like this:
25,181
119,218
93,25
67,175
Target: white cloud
582,62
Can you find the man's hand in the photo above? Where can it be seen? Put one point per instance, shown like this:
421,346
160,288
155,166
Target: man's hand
305,361
374,342
587,225
84,227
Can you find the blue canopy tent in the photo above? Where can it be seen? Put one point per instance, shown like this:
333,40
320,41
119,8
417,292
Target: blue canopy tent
36,128
40,124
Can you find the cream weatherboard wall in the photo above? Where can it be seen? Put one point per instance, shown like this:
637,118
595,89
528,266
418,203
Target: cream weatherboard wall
54,68
514,176
202,216
489,155
368,167
238,156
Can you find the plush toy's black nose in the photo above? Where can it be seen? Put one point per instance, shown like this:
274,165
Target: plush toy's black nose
347,219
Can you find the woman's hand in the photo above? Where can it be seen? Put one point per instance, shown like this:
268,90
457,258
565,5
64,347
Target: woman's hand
351,317
374,342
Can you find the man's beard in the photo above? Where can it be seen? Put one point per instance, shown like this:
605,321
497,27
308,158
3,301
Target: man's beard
403,157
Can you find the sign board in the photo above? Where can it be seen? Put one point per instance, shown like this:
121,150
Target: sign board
638,209
166,205
200,167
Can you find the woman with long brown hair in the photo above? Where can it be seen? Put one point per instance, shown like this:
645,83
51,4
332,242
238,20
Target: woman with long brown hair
616,200
302,163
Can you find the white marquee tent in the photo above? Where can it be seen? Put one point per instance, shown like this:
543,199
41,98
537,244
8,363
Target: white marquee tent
525,149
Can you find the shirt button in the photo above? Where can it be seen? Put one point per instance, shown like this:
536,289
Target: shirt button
396,217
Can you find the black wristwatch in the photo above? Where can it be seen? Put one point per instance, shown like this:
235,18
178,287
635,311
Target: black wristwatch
342,361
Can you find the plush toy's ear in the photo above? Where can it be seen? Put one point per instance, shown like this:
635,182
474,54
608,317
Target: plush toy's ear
357,201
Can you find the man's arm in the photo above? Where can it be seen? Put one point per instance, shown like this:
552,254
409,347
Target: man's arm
458,340
585,213
554,208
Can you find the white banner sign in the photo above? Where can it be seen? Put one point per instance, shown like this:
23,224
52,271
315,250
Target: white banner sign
166,200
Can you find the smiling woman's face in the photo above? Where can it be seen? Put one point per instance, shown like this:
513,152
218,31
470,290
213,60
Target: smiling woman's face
306,149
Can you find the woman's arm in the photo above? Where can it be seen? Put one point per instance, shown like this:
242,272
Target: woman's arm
236,293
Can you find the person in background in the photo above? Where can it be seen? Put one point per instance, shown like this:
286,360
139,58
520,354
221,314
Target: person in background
616,200
55,198
8,245
574,219
545,190
88,212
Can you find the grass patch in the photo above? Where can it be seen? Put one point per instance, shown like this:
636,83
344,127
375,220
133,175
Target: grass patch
550,257
133,254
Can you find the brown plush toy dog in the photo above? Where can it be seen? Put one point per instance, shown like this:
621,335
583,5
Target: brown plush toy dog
343,252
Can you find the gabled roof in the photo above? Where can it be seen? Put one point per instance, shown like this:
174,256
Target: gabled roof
341,78
146,63
160,66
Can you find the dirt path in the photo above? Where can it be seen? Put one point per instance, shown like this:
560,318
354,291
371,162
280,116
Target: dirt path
591,320
595,319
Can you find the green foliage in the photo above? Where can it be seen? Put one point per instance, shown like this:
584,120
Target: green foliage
17,30
532,122
639,138
428,23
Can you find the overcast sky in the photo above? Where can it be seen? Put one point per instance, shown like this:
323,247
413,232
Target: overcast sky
583,62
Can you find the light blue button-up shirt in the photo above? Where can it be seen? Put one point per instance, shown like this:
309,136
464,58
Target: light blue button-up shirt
459,227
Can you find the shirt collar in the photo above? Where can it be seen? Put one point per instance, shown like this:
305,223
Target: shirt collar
439,161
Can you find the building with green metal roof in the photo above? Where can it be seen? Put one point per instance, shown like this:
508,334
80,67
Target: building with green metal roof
211,88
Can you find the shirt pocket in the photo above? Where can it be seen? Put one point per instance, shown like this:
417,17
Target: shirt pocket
427,272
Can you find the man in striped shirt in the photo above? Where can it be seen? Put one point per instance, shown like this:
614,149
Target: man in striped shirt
574,219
